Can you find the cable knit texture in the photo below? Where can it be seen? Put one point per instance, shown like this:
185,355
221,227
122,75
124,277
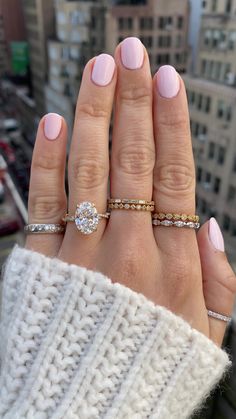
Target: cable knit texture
75,345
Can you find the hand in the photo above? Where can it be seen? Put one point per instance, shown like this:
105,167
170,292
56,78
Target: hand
151,158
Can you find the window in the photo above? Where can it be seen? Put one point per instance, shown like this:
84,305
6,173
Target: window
231,193
211,151
226,222
146,23
199,174
234,165
204,3
125,23
221,155
180,22
228,7
214,5
178,41
217,184
163,59
204,207
207,104
224,111
208,177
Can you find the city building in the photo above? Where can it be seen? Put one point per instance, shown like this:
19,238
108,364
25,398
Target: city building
161,25
39,20
212,99
12,29
194,31
85,29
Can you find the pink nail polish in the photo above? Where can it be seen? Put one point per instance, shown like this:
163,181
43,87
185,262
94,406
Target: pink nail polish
168,83
103,69
52,126
132,53
215,235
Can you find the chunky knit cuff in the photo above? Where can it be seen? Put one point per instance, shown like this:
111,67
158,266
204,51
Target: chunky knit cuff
75,345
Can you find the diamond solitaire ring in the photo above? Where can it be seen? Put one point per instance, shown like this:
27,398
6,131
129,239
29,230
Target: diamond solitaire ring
86,217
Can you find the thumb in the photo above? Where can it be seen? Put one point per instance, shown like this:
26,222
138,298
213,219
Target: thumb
219,280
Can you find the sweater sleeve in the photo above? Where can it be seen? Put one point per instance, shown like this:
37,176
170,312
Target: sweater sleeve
75,345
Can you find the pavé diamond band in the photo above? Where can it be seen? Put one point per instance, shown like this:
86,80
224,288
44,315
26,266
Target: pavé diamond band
44,228
219,316
86,217
179,224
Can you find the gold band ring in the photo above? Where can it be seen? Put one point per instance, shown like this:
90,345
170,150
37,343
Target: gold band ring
175,217
131,204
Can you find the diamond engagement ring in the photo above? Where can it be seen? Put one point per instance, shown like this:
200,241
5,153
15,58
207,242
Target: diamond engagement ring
86,217
44,228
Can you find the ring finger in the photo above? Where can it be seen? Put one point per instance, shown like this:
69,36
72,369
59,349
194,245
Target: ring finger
89,153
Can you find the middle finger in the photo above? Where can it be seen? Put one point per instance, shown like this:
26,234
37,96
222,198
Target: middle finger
133,150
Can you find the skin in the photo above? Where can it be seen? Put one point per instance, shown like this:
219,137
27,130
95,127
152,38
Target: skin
151,158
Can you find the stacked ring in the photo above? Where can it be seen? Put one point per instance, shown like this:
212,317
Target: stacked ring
131,204
176,220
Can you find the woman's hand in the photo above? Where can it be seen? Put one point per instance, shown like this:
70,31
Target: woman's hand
151,158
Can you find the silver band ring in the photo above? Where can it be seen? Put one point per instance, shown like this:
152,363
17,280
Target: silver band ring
179,224
86,217
44,228
219,316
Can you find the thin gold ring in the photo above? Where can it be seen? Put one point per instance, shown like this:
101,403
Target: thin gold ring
131,204
175,217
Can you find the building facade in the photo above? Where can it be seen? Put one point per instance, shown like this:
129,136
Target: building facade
39,20
85,29
12,28
212,101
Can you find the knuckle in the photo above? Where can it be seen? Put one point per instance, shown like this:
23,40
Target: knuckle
46,207
175,177
174,121
135,160
133,95
89,172
94,109
179,284
46,162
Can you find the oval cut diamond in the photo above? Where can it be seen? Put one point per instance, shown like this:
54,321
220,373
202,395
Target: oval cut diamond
86,218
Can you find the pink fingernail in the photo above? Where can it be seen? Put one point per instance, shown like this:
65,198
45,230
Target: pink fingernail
103,69
52,126
215,235
168,83
132,53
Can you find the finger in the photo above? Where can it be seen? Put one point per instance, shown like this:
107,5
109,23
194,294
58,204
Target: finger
47,196
133,150
174,173
219,281
89,156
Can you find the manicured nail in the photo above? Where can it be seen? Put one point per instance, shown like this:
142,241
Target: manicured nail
132,53
215,235
103,69
52,126
167,81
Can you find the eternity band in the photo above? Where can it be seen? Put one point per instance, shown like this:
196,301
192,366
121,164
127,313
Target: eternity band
179,224
176,217
44,228
130,204
219,316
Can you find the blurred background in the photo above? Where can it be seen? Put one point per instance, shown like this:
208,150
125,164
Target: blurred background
44,45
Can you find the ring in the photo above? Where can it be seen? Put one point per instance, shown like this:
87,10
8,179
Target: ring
44,228
86,217
180,224
176,217
219,316
131,204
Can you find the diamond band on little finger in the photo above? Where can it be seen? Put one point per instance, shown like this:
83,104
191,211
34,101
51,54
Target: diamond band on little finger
219,316
44,228
86,217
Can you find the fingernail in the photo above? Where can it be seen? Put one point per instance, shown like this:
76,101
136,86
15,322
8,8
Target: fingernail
132,53
215,235
103,69
52,126
167,81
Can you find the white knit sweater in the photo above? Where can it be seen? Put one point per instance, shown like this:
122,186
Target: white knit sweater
75,345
